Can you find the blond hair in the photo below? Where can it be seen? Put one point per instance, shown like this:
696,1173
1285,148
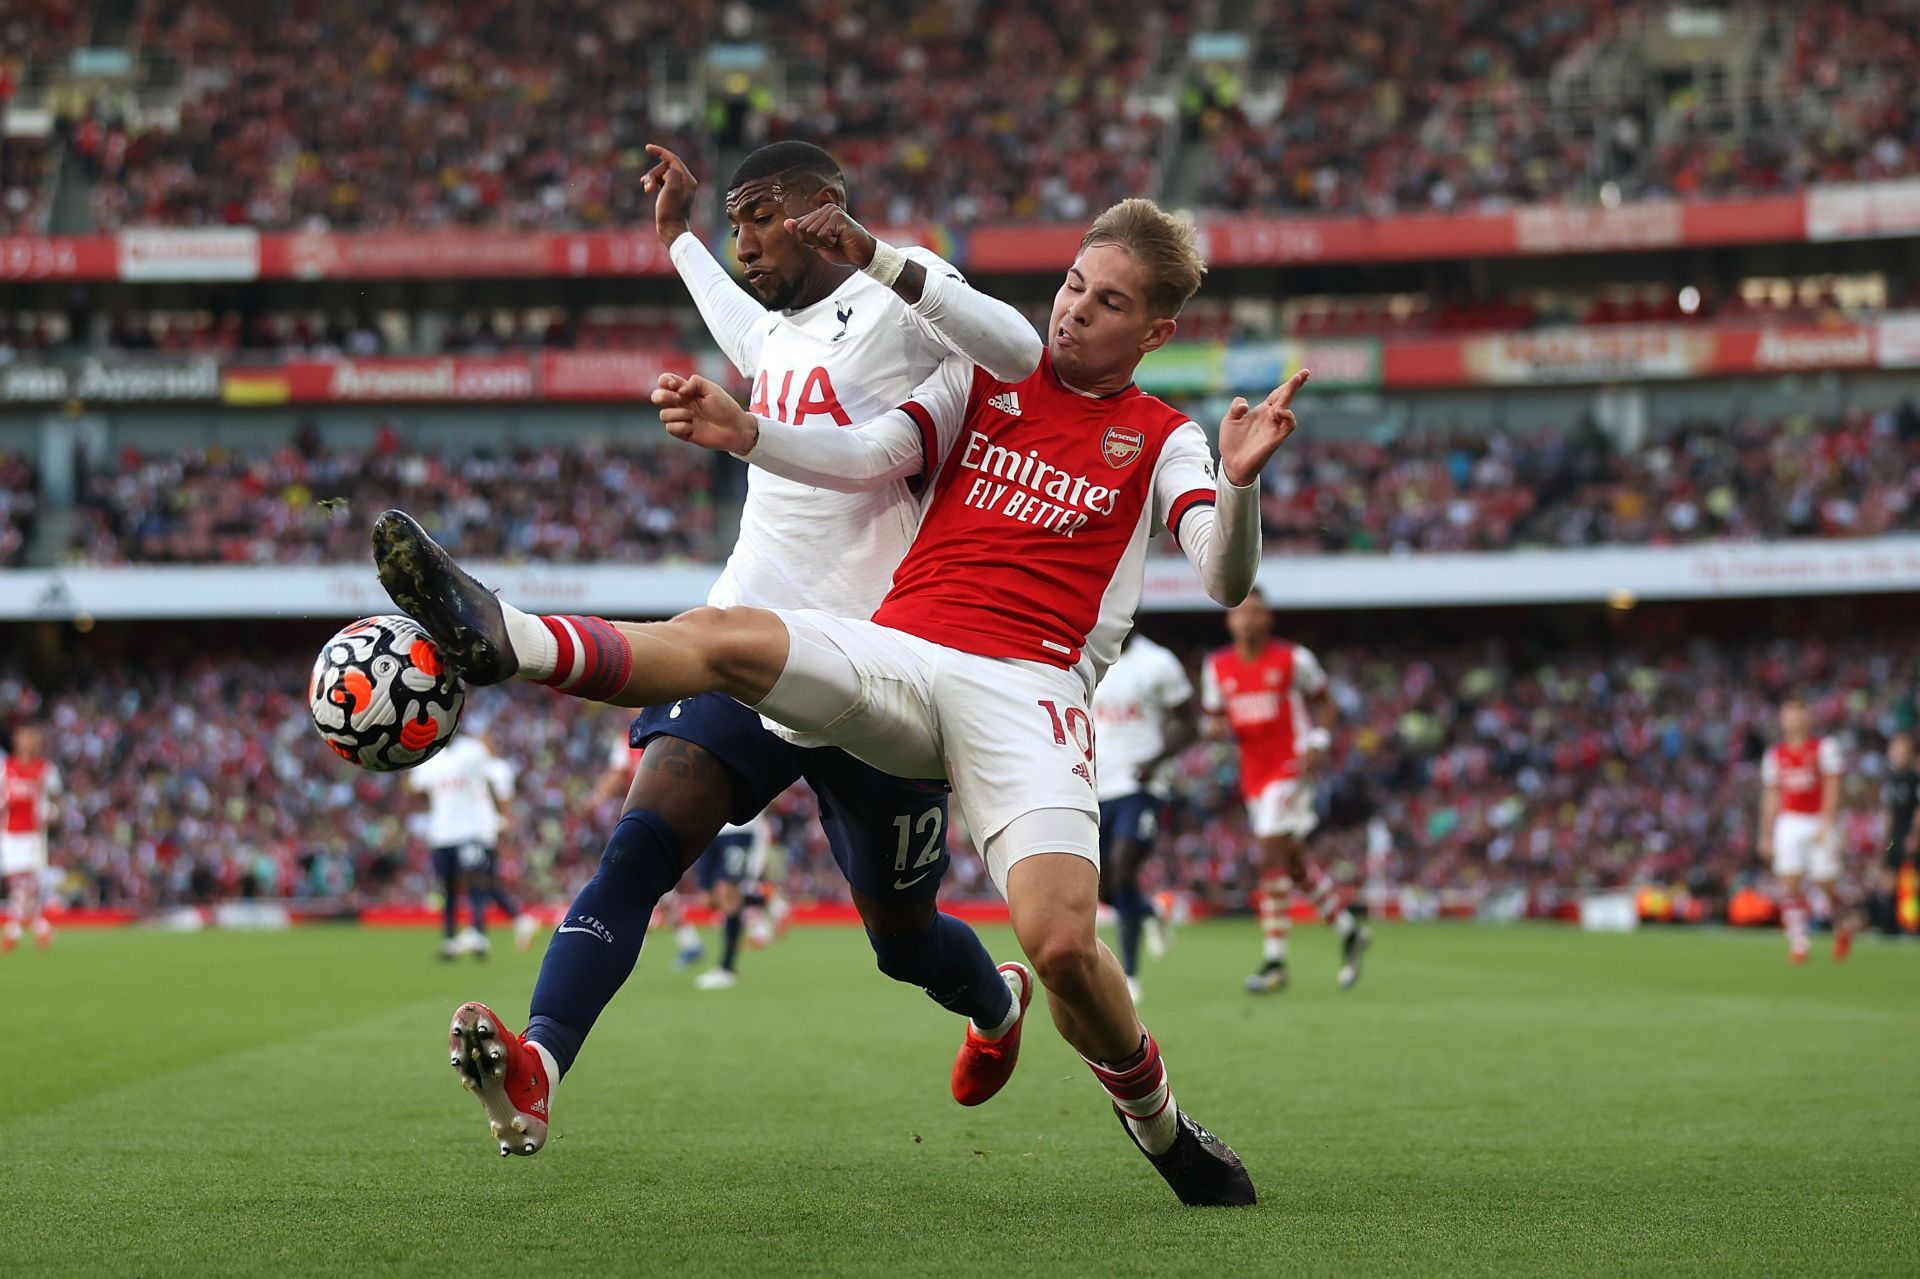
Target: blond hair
1158,241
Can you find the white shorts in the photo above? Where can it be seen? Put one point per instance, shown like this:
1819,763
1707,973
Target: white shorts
22,854
1283,808
1013,737
1798,848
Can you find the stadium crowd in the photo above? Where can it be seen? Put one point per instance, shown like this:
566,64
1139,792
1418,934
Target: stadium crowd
1852,476
1746,479
308,504
515,115
1467,770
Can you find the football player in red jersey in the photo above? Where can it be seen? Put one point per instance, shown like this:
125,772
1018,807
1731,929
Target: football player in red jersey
28,783
1799,804
1271,696
979,664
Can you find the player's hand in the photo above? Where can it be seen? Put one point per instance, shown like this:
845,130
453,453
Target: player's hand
674,184
832,233
1250,434
696,410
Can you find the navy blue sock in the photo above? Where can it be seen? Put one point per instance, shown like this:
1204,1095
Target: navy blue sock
596,945
730,941
477,901
1131,910
499,895
948,961
450,916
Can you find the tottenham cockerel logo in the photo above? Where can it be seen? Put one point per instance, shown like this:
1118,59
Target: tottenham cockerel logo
1120,445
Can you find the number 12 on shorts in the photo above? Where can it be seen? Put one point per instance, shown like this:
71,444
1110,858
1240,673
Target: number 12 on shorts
927,827
1074,724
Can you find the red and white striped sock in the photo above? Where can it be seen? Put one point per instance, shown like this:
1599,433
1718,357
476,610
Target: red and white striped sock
1139,1088
1326,903
1793,917
1276,900
585,657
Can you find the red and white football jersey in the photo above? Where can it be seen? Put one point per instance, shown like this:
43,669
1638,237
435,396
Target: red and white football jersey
1264,701
26,786
1034,542
1799,771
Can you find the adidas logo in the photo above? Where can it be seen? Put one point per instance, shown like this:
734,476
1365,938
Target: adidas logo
1007,402
539,1107
1083,773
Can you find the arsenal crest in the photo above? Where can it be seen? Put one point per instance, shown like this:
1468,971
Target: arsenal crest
1121,445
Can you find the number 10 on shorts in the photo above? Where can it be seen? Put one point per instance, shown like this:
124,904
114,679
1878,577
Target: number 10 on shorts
1073,725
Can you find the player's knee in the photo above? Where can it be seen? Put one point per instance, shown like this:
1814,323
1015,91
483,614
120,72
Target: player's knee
906,957
1065,958
732,642
642,854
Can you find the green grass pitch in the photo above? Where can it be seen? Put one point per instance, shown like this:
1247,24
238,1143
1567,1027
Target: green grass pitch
1496,1101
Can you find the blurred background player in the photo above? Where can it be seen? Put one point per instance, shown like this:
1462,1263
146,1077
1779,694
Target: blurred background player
467,788
1142,713
1800,796
30,783
1271,695
733,875
1901,794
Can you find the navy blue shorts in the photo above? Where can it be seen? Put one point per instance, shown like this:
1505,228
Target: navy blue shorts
728,860
1135,817
454,859
888,834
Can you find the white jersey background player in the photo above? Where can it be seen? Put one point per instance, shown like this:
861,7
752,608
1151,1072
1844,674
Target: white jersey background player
467,788
1142,718
29,783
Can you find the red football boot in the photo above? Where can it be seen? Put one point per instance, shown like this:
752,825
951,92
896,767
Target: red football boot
1842,942
513,1078
984,1065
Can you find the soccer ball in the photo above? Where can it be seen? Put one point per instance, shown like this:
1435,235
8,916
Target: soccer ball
381,697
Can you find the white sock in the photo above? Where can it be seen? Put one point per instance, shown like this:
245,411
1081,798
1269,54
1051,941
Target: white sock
1013,1014
688,936
532,643
1157,1134
1274,950
1343,924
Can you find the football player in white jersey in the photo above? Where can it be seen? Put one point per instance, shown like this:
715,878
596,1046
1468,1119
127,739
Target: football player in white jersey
1143,718
468,788
834,326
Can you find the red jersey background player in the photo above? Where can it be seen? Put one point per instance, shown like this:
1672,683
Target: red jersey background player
1799,801
1271,695
28,783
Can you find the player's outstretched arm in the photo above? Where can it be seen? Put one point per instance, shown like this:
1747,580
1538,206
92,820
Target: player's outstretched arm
864,456
730,313
1222,539
981,329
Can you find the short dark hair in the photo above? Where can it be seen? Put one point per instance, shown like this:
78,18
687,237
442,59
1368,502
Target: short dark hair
791,159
